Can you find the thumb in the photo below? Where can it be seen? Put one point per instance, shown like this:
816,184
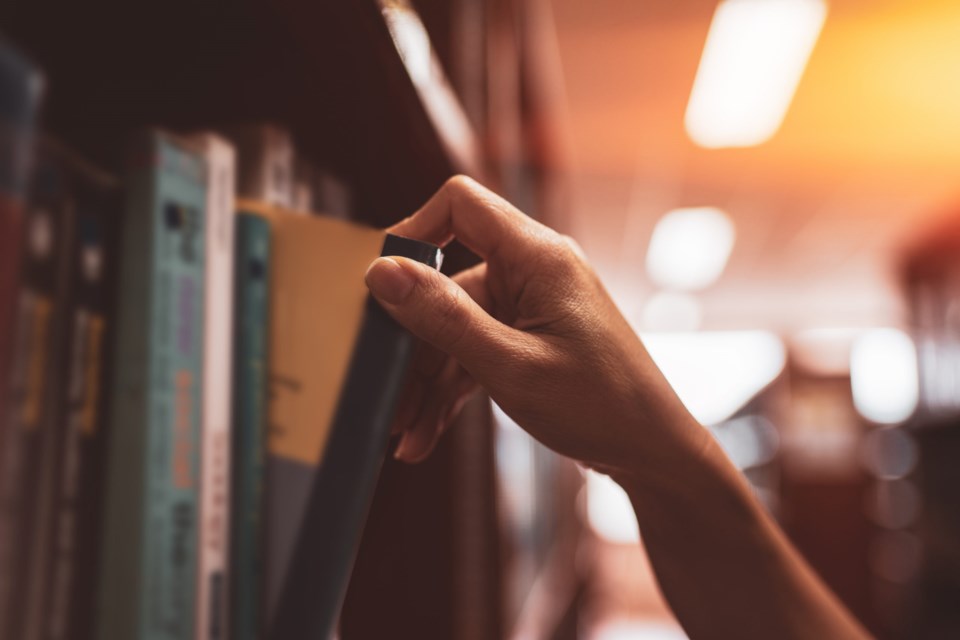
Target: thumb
436,309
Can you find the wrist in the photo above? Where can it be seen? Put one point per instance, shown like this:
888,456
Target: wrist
662,439
695,484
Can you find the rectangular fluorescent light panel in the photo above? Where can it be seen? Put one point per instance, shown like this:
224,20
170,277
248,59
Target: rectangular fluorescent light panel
755,54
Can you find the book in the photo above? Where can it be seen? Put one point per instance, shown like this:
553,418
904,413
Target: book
318,191
342,488
63,605
29,454
331,195
251,322
211,614
21,87
265,161
314,318
336,362
303,181
148,579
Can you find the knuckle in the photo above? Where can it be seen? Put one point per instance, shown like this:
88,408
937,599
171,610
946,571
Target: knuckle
459,185
572,245
561,255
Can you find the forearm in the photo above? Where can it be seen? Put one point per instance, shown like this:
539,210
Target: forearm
724,566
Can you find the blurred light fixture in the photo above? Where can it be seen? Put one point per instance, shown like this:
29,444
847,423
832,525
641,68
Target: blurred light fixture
749,441
715,373
752,62
883,376
890,453
689,248
609,511
671,311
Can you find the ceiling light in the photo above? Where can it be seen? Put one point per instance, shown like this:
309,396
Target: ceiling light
883,376
671,311
716,373
754,57
689,248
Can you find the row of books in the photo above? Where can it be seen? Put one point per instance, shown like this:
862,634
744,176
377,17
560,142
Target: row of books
195,388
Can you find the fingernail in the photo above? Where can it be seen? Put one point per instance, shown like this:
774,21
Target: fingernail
389,281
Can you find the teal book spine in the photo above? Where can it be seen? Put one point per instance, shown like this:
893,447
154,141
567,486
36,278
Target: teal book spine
150,540
252,264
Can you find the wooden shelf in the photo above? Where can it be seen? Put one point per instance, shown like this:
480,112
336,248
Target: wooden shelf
350,101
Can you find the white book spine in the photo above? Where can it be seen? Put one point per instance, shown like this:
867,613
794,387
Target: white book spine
213,547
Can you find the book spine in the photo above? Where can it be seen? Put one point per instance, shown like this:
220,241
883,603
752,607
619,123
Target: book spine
118,602
30,452
252,322
56,198
149,576
212,572
20,91
74,550
277,166
265,155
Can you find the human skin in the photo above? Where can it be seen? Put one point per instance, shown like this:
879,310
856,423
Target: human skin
534,327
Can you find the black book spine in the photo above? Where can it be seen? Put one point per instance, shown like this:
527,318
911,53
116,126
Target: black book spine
343,486
30,448
68,606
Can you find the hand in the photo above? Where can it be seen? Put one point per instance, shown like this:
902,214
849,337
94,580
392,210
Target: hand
534,327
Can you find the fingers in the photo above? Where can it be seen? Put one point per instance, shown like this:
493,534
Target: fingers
438,310
443,399
477,217
428,362
426,395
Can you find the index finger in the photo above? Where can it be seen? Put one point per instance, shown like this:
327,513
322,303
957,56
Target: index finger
463,209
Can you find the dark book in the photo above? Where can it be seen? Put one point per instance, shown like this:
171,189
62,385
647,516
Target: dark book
342,487
251,326
20,91
30,447
64,579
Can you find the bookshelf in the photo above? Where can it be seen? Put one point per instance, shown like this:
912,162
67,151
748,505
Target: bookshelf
393,102
349,101
922,600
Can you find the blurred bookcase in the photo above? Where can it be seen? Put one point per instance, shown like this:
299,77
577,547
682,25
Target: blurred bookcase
927,592
394,98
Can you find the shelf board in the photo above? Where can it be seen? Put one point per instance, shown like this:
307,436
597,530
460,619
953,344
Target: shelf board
357,96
